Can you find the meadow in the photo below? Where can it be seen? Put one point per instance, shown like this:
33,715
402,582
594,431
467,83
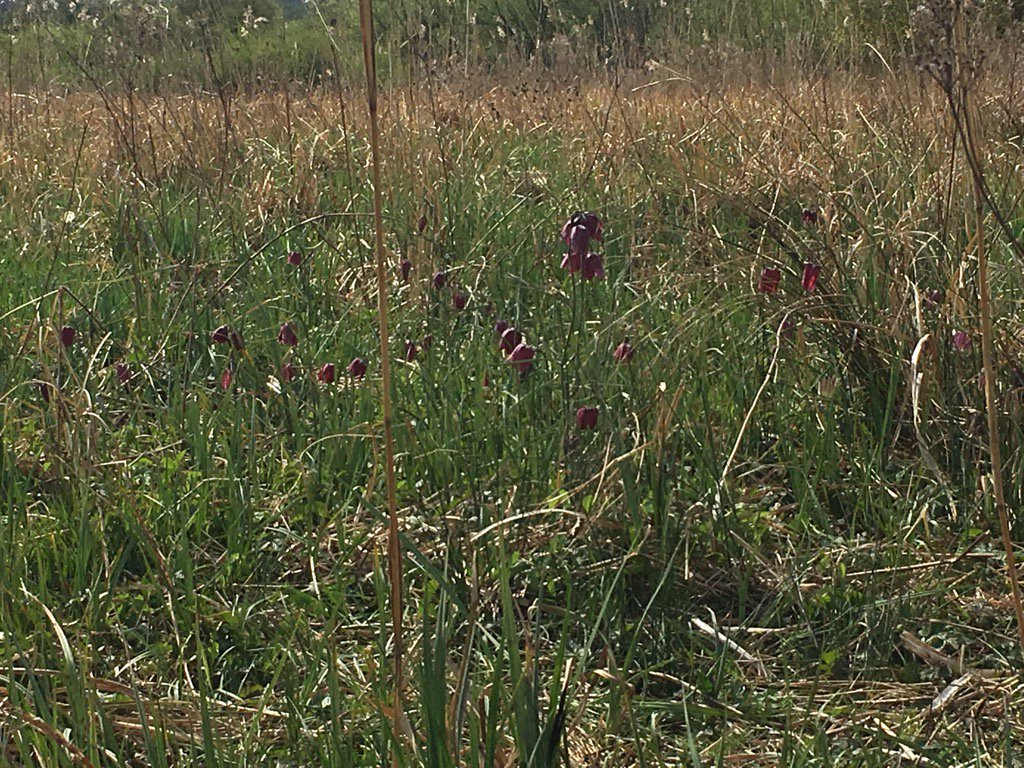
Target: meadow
734,506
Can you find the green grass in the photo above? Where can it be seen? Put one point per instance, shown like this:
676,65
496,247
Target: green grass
193,576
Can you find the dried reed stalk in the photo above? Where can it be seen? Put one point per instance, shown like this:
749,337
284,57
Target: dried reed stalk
394,544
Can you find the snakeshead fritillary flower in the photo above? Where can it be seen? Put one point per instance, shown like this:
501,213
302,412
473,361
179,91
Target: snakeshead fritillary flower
811,273
961,341
459,300
510,339
411,351
769,280
440,279
593,267
589,222
221,335
295,258
623,353
357,368
286,335
287,372
326,373
406,268
67,335
586,418
522,358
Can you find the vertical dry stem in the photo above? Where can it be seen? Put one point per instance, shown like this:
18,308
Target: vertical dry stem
985,302
394,545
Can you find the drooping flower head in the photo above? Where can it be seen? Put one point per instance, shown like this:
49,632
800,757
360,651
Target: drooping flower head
357,368
586,418
221,335
405,268
961,341
591,228
811,273
326,373
522,358
623,353
933,298
510,339
459,300
124,373
411,350
286,335
809,215
577,232
769,280
287,372
67,335
295,258
440,279
593,267
225,379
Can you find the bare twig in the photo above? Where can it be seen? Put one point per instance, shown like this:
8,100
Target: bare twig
394,543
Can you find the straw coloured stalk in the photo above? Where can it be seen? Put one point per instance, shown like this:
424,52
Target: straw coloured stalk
969,134
394,545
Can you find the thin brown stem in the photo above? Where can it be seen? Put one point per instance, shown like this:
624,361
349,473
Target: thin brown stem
394,544
969,135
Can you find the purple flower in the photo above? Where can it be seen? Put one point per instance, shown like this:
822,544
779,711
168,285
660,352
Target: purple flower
593,267
124,374
586,418
510,339
357,368
422,223
440,279
623,353
769,280
326,373
579,240
590,223
522,358
809,215
500,327
295,258
221,336
286,335
411,351
225,379
572,262
67,335
811,273
933,298
961,341
459,300
406,268
287,372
